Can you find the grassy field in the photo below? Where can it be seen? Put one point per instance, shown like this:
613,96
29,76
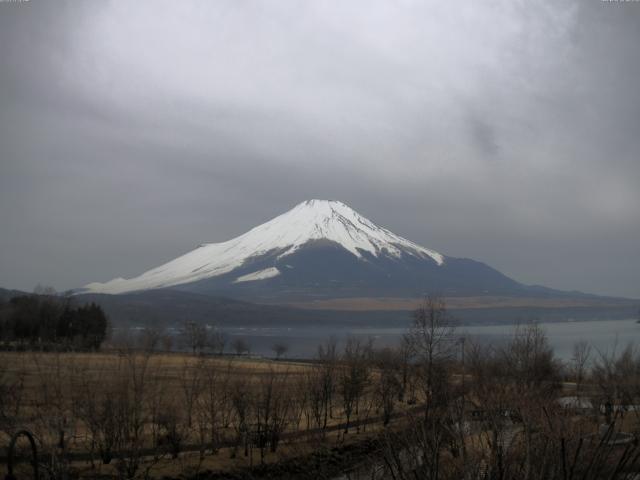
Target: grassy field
134,414
176,413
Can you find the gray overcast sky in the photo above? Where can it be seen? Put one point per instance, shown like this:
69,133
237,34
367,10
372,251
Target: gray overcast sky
504,131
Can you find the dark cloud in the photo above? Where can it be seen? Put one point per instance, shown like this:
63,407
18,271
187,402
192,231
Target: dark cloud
133,131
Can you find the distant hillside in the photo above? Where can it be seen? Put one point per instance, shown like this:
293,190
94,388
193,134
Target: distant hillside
7,294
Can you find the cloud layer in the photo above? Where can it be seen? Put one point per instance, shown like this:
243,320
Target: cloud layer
504,131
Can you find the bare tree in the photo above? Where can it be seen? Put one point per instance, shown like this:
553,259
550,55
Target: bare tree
530,359
430,338
280,349
327,359
388,386
166,342
95,397
318,403
191,379
533,374
150,338
217,341
195,336
354,373
214,402
139,388
300,402
579,362
173,430
271,408
240,346
493,398
54,416
241,401
618,379
404,357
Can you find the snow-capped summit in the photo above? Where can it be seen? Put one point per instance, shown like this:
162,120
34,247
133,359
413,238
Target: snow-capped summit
270,246
329,220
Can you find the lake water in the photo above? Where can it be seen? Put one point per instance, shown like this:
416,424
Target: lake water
302,342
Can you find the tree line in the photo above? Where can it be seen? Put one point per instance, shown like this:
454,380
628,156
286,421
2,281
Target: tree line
49,321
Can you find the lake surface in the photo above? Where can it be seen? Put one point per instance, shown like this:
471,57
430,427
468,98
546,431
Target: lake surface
604,336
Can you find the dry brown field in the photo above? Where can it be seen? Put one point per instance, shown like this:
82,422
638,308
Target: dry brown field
192,403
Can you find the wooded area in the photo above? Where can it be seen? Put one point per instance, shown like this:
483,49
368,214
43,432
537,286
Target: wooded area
48,321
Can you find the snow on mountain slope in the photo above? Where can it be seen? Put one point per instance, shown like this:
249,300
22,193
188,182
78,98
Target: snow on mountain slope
259,275
306,222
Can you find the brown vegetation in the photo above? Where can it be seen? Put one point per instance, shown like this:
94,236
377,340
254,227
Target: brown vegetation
433,408
125,413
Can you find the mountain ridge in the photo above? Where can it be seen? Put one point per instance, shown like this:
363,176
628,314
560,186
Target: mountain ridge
320,249
309,221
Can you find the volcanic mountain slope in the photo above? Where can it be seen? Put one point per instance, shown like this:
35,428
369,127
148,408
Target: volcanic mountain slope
318,249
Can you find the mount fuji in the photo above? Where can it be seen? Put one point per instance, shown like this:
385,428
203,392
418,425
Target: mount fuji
319,249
